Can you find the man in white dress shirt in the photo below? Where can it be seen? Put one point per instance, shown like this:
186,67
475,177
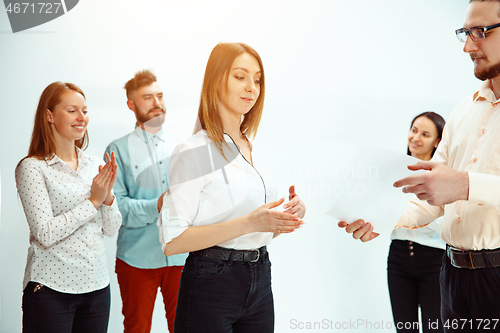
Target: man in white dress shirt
464,184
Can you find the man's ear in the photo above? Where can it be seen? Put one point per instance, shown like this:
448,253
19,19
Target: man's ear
131,105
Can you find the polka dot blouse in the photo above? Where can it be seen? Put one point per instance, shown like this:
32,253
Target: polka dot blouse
66,250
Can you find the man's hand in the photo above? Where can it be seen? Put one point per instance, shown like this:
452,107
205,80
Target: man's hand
359,230
441,186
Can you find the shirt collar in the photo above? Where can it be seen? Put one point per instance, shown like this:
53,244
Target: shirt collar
140,133
485,93
82,158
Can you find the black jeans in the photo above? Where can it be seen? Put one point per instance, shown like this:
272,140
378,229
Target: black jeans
50,311
470,298
225,296
413,276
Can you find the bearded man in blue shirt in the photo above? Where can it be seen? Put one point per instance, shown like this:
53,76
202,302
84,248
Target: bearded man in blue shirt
142,157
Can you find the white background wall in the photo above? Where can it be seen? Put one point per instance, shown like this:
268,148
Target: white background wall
339,74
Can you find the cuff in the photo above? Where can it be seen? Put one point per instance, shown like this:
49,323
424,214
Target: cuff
152,208
484,190
85,212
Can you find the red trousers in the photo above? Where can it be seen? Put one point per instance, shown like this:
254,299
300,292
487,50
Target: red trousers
139,287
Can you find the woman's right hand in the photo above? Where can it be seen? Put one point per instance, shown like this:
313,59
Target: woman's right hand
264,219
100,185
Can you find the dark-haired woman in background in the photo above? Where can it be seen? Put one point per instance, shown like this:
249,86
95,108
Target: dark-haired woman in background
68,203
219,204
414,261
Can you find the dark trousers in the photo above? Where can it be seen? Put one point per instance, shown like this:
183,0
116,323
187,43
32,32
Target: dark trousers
470,298
225,296
413,276
50,311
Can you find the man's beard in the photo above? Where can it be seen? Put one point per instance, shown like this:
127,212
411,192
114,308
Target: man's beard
488,73
152,120
157,121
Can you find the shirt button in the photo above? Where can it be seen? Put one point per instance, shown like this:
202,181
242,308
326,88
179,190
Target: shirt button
136,167
474,159
411,247
458,219
483,130
410,242
480,204
163,182
156,144
161,162
411,254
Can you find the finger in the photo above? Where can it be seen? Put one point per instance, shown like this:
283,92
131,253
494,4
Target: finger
417,189
342,224
410,180
291,190
292,203
102,172
369,235
422,165
284,216
350,228
107,178
273,204
366,229
289,227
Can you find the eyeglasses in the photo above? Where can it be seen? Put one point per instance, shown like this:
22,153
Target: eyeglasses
476,34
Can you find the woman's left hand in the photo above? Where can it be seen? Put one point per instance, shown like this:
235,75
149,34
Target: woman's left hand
114,167
294,206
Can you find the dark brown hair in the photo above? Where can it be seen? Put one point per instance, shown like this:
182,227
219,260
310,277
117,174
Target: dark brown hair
438,122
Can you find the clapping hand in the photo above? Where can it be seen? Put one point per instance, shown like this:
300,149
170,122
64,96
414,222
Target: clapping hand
102,184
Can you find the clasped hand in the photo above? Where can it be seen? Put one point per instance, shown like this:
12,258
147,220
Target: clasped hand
102,184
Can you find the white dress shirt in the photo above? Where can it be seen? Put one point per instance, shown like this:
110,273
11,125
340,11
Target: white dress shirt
206,189
428,236
471,143
66,250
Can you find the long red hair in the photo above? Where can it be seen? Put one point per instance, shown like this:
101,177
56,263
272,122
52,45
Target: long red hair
42,144
217,71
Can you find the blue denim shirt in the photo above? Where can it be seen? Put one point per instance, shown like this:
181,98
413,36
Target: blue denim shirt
142,160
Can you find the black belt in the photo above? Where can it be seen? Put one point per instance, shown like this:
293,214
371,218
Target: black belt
473,259
221,253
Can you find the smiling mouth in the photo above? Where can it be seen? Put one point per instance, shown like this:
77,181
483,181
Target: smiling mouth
414,145
248,100
157,111
79,127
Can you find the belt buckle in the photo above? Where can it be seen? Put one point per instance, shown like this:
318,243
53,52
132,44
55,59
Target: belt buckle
258,255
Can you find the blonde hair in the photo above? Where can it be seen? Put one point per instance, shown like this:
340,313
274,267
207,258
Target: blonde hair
217,71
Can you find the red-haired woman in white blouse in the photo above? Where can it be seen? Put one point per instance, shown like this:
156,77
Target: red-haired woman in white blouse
66,196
